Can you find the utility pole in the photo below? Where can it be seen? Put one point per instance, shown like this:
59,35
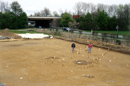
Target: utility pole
117,27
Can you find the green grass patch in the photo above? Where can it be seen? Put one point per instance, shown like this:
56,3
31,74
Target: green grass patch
127,33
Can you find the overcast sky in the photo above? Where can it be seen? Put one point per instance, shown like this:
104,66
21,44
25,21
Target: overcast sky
31,6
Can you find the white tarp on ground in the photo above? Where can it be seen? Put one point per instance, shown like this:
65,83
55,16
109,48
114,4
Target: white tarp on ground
31,36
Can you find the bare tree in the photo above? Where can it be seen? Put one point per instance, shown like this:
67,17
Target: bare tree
127,14
123,16
55,14
78,8
37,14
4,6
61,12
92,8
45,12
112,9
101,7
85,7
42,13
126,11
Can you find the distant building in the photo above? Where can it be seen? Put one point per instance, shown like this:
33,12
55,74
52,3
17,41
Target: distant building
44,22
76,16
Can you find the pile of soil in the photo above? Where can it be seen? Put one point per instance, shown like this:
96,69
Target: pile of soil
6,32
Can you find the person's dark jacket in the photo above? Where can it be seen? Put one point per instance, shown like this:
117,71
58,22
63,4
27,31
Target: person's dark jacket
73,45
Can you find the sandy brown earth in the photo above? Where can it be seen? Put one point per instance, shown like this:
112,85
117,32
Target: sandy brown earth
50,63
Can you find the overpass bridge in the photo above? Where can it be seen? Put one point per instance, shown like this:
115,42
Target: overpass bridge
44,22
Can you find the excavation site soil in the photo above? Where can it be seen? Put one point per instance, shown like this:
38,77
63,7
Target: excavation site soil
50,62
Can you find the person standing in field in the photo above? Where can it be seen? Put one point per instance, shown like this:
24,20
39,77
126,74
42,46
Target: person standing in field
89,47
73,46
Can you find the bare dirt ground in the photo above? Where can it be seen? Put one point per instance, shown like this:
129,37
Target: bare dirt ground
50,62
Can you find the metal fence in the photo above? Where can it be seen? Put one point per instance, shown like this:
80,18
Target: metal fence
112,38
104,37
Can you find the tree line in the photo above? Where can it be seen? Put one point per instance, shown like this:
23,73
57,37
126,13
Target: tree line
12,16
99,17
46,13
96,17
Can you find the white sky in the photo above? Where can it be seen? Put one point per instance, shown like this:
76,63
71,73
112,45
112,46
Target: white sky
31,6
